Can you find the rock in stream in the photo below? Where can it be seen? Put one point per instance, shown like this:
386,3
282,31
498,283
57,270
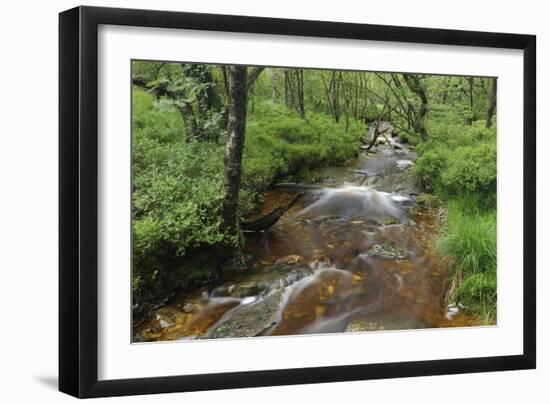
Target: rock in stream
387,251
251,319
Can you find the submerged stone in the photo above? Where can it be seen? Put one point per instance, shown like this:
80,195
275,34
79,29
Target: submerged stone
320,260
387,251
290,260
261,281
189,308
390,323
363,325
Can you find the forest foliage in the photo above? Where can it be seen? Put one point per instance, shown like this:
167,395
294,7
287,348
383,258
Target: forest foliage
299,120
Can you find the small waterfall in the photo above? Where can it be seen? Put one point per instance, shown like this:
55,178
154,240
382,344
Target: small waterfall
351,201
316,279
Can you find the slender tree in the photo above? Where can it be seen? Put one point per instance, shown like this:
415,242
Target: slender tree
332,91
300,92
415,85
238,88
275,78
492,102
445,90
471,117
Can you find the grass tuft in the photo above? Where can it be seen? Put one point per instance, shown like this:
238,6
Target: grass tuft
471,243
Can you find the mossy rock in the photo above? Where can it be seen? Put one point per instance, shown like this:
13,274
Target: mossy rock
252,319
428,200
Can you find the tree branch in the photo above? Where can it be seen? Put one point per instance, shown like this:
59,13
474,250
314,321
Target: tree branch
375,133
253,75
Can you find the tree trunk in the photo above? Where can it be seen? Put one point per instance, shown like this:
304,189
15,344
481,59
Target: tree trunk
328,89
237,77
336,95
492,103
445,91
275,79
471,99
300,80
191,129
294,91
414,84
289,94
225,81
200,112
355,95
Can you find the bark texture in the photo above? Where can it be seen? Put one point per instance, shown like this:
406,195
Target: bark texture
414,84
237,78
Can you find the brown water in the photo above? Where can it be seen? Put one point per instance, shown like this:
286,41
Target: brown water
346,257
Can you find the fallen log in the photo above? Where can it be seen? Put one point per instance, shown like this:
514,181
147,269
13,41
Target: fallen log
268,220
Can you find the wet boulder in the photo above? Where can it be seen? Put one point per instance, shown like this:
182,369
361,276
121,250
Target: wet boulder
290,260
387,251
403,200
320,260
452,311
404,164
395,146
251,319
261,281
404,183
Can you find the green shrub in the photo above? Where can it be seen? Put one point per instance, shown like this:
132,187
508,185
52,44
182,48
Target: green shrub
176,195
279,143
459,159
155,120
472,169
428,168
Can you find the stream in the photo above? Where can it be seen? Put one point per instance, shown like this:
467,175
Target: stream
354,254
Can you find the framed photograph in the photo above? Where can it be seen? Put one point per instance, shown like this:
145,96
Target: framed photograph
251,201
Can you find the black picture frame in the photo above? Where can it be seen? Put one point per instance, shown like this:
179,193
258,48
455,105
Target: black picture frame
78,200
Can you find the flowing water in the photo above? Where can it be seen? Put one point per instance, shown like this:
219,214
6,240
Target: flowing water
348,256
